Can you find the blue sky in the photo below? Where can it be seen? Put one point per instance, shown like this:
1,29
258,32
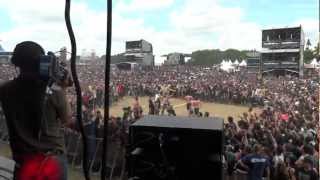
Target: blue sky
171,25
5,23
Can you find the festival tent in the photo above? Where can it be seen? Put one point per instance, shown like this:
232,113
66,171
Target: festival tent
1,49
236,62
227,66
243,63
223,63
314,63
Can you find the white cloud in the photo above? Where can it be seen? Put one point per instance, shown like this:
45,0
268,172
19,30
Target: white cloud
142,5
33,20
311,29
222,27
43,22
205,17
192,26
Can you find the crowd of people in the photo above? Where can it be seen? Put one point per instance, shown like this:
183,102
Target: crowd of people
280,142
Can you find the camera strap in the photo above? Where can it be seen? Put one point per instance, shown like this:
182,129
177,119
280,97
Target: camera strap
43,118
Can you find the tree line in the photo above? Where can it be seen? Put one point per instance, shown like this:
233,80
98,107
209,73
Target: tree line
311,53
216,56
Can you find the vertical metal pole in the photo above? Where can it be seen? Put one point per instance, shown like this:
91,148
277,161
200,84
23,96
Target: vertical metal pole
301,59
106,93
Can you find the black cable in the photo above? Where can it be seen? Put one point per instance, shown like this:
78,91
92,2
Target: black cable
149,166
144,141
106,90
77,87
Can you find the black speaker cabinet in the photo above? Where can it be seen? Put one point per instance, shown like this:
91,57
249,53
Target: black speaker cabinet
175,148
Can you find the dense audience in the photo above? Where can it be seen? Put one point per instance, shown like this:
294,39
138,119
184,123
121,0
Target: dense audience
279,143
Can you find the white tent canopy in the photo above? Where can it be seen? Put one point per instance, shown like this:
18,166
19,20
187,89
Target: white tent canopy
223,62
314,62
236,62
226,66
1,49
243,63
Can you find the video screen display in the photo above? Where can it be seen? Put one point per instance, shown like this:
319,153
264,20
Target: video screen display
133,45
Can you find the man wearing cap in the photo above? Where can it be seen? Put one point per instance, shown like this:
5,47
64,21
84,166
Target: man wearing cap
34,118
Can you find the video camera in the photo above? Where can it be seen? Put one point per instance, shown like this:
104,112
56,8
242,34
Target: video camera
51,69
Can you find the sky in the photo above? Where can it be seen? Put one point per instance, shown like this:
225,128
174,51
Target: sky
170,25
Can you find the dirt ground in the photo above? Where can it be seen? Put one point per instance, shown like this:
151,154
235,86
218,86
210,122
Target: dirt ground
215,109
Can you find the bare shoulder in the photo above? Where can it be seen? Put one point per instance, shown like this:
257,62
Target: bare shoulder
58,95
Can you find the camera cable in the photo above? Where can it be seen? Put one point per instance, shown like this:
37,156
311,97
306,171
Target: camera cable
77,88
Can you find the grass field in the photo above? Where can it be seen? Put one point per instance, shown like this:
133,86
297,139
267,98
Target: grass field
215,109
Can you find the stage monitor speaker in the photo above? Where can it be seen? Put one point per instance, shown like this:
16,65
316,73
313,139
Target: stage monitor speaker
175,148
